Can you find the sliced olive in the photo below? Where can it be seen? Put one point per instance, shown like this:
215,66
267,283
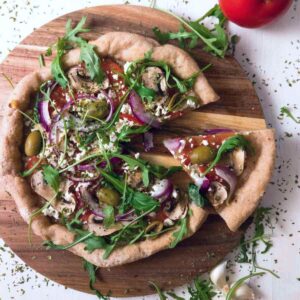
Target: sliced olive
202,155
33,143
97,109
108,196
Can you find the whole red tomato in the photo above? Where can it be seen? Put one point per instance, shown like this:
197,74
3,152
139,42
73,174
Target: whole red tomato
253,13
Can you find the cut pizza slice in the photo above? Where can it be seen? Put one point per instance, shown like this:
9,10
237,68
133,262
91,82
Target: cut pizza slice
230,169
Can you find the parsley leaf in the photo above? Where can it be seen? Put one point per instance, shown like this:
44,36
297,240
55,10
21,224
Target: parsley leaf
195,196
180,233
228,145
191,32
109,216
284,111
91,269
51,176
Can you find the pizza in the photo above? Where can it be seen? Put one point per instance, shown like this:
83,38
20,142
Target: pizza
67,159
230,169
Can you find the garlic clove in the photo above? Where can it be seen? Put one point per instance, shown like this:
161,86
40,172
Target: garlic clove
244,292
218,276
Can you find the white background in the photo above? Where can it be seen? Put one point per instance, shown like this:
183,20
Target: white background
271,57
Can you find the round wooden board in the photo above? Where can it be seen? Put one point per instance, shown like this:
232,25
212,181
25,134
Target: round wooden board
239,108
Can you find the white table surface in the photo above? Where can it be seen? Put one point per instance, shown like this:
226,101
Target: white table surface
271,57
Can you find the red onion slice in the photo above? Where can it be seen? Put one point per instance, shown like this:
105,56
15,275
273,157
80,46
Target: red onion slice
164,189
204,187
139,112
229,176
128,216
44,115
91,202
172,144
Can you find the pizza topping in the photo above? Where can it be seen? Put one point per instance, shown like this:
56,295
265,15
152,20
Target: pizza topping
153,78
162,189
108,196
33,143
237,160
202,155
217,193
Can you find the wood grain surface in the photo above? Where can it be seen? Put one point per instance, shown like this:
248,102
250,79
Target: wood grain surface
239,108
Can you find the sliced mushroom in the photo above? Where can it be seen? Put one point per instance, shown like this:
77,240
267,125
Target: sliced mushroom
217,193
135,179
65,204
153,78
93,225
177,213
237,160
81,81
41,187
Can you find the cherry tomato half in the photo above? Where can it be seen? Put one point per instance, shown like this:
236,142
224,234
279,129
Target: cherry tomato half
253,13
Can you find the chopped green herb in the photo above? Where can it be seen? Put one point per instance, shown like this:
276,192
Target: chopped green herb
180,233
51,176
109,216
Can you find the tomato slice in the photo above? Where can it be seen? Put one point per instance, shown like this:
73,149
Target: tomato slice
58,96
131,118
31,162
113,71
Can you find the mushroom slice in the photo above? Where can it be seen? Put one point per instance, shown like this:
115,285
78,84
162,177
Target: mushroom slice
153,78
217,193
41,187
65,204
237,160
98,228
177,213
134,179
81,81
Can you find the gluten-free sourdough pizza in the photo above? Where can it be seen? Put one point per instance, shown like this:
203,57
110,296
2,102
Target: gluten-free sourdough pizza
66,157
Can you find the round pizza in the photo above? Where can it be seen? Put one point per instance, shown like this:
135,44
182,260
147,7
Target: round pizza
68,162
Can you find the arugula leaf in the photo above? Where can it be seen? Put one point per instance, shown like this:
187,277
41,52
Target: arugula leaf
162,172
56,65
41,60
243,255
231,292
180,233
138,200
203,290
91,269
160,293
215,41
127,132
284,111
229,145
51,176
195,196
109,216
87,54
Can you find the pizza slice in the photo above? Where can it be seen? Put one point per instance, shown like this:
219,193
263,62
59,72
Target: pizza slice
230,169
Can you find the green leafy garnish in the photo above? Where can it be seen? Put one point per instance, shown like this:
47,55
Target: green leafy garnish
127,132
91,269
87,54
202,289
139,201
229,145
231,292
180,233
109,216
51,176
41,60
284,111
191,32
195,195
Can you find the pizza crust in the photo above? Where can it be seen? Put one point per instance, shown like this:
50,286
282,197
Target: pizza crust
253,181
122,46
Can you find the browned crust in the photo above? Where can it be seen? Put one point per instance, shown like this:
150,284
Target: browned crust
123,46
253,181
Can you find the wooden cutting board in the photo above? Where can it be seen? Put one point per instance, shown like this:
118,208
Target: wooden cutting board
239,108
